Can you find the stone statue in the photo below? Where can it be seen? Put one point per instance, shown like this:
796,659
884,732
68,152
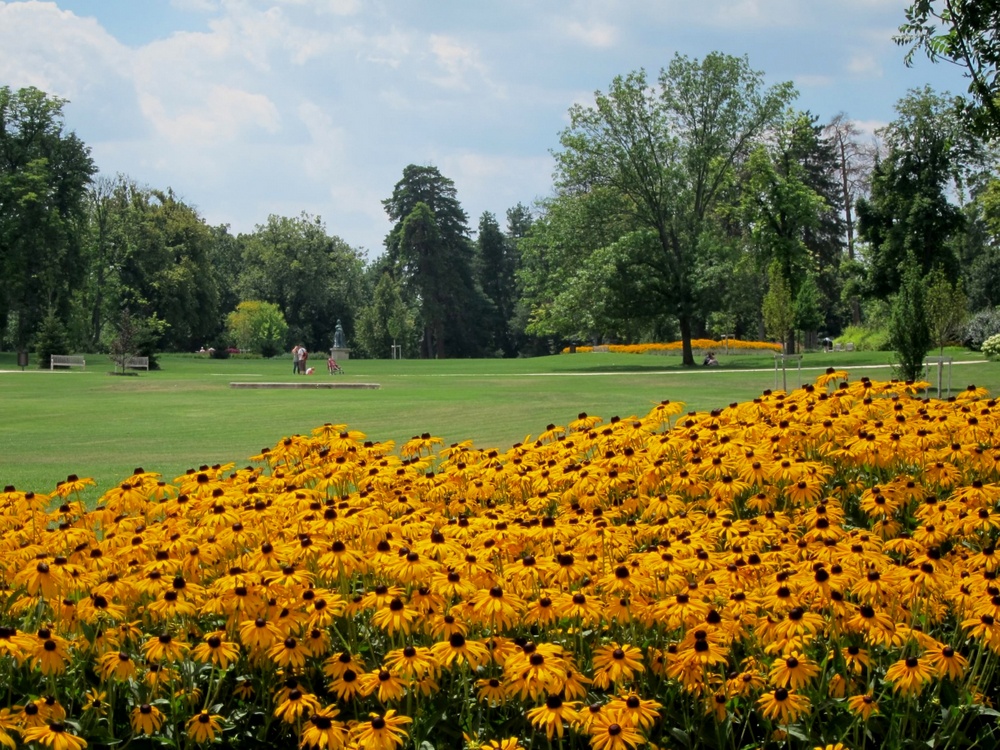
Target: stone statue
338,337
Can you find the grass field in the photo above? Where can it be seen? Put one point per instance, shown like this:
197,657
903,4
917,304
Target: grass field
95,425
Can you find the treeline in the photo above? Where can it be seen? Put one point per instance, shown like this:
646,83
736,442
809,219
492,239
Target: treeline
699,203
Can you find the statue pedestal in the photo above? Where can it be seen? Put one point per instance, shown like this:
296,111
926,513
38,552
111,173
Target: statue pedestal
340,353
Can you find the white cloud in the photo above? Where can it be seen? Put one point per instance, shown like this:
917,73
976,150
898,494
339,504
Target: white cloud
73,54
864,64
459,62
595,34
220,115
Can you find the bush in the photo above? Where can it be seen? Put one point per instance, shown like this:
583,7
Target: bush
991,347
984,324
865,338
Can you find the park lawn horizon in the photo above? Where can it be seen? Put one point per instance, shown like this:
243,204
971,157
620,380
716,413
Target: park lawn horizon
186,414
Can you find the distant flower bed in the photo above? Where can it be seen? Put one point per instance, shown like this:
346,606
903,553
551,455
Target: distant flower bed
818,566
735,346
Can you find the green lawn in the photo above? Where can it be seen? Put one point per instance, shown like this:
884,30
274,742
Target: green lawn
96,425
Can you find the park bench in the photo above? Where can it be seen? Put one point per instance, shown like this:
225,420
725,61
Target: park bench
137,363
66,360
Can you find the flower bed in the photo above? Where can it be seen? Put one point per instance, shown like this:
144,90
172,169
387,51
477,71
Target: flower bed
733,346
818,567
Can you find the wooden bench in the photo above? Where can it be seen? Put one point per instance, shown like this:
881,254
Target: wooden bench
66,360
137,363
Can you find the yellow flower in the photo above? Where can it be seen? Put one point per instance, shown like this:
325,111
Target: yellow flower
323,731
783,706
296,705
216,650
908,676
863,705
619,663
457,650
203,726
553,715
146,719
54,735
609,732
381,732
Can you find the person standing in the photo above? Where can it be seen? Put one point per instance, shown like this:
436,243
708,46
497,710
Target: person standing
296,359
303,360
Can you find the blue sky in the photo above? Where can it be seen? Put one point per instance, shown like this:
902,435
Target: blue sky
254,107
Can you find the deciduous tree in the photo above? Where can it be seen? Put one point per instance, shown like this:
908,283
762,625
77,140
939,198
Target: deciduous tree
44,173
669,150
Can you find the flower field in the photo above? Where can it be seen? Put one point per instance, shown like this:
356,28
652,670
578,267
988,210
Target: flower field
811,569
733,346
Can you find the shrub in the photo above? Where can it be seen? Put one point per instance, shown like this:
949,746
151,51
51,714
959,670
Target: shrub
865,338
991,347
984,324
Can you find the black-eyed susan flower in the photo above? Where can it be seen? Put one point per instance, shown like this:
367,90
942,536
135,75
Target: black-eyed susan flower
508,743
118,665
381,731
554,715
411,662
608,732
297,704
204,726
909,676
793,671
384,685
216,650
146,719
55,735
491,691
323,731
620,663
863,705
164,648
947,662
635,710
346,685
783,706
289,654
458,650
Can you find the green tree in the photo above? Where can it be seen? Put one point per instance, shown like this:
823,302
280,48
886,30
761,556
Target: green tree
150,252
946,307
430,251
778,309
564,276
669,151
909,334
909,210
44,173
385,322
497,268
314,278
52,338
790,205
967,33
809,316
259,327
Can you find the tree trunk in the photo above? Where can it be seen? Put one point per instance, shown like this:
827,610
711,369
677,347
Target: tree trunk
687,358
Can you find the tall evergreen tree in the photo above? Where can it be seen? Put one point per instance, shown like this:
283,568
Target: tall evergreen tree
497,266
430,250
